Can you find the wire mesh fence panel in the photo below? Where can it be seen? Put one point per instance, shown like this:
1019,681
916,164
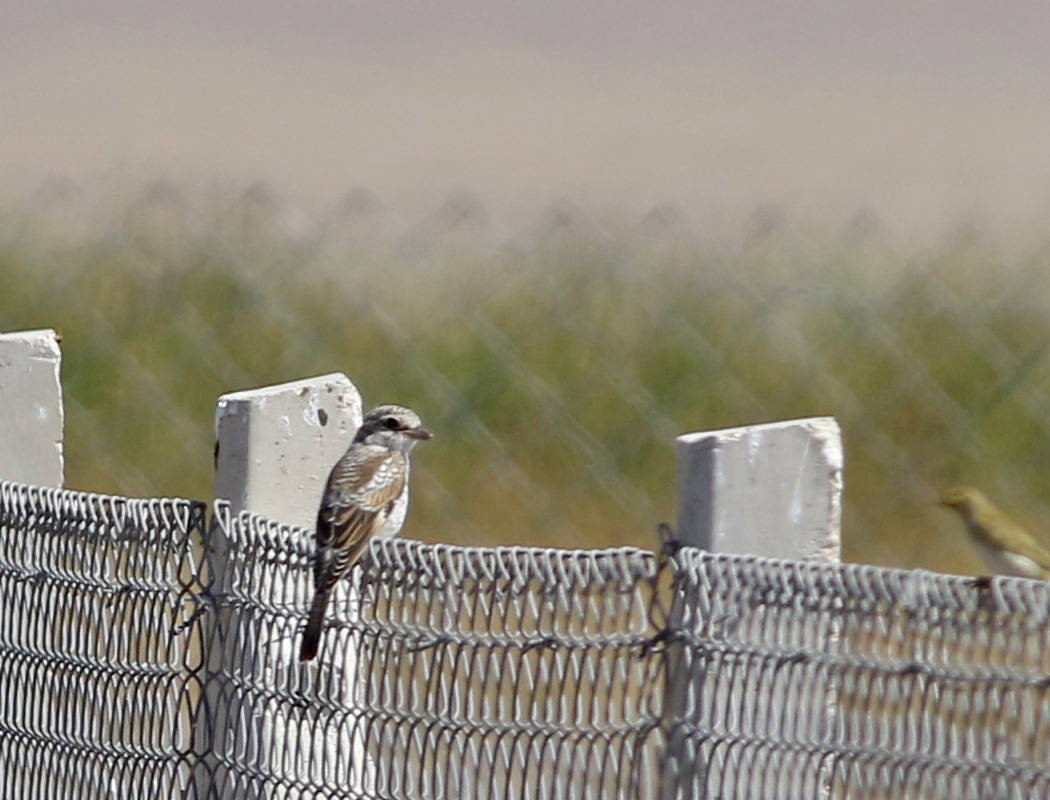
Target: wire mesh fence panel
805,681
275,727
511,672
100,620
444,672
150,652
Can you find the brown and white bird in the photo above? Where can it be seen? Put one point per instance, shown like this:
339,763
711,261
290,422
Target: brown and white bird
366,496
1004,545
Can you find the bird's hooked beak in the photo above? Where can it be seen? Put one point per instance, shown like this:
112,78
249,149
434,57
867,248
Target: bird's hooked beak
422,434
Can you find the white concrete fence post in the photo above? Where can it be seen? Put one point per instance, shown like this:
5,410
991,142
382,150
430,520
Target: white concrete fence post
772,490
274,446
274,449
31,411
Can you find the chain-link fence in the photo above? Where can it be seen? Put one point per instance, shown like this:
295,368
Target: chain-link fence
804,681
445,672
101,607
150,653
555,359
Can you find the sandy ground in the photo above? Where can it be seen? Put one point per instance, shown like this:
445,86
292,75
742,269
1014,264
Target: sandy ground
924,113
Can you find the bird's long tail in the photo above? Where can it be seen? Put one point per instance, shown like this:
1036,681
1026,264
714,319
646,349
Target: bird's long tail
312,634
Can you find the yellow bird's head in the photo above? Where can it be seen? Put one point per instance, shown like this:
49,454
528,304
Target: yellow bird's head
968,502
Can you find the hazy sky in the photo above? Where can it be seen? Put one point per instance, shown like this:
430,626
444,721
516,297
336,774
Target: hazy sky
923,111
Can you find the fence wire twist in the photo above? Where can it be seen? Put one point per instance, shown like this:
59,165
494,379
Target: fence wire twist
150,652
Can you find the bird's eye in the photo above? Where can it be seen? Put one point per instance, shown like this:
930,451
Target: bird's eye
390,423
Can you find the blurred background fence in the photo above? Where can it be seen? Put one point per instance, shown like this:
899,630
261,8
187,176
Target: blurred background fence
556,360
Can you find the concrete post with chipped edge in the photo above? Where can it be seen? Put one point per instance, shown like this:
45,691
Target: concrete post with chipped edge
772,490
274,448
31,410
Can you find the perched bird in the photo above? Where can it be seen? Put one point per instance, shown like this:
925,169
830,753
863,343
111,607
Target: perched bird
366,495
1004,545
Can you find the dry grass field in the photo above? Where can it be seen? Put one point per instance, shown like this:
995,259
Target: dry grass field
557,361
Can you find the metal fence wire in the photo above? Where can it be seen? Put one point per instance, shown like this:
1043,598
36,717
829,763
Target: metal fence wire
150,651
100,643
445,672
798,680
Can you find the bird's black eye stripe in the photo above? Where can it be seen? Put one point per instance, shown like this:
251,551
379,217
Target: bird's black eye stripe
391,423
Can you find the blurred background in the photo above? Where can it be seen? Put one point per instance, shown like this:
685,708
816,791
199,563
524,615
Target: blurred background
563,234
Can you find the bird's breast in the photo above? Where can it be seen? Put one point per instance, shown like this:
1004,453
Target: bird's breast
391,526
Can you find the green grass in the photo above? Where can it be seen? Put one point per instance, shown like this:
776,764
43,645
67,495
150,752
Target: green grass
558,369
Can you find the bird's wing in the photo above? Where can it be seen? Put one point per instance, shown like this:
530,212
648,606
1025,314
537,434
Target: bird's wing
1029,548
1001,531
358,490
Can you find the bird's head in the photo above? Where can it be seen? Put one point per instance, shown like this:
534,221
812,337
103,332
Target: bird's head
966,501
396,427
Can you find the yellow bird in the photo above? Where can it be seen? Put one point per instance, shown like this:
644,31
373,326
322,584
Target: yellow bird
1004,545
